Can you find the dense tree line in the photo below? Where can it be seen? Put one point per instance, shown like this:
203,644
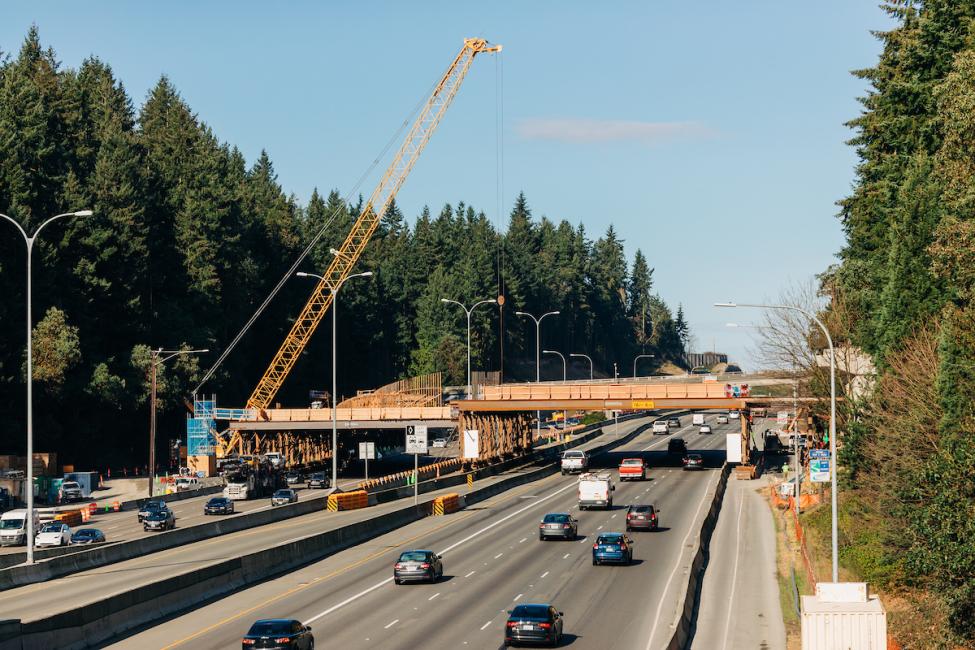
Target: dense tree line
907,279
188,239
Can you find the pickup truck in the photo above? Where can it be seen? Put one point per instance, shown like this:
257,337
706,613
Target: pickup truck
633,469
574,461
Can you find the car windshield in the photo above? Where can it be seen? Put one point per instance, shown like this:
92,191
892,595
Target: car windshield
534,612
573,454
51,528
154,505
609,539
283,493
695,456
640,508
556,519
413,556
11,524
632,461
85,532
218,501
157,516
270,628
69,485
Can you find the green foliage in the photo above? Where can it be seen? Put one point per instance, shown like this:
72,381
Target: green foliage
56,349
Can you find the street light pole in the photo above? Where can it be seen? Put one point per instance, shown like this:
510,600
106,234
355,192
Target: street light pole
832,416
637,358
155,363
469,312
29,240
538,359
584,356
335,389
565,413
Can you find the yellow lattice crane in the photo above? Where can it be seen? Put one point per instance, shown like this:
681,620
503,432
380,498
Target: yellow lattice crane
364,227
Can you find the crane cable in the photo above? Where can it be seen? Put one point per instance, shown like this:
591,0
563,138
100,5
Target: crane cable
301,258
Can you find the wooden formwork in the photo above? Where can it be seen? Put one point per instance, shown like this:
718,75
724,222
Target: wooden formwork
425,390
499,434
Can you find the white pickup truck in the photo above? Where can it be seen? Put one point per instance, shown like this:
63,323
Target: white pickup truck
595,491
574,461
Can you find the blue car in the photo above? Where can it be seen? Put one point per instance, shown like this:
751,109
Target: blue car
616,548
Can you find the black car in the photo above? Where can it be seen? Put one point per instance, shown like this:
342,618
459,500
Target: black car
693,461
673,422
558,524
278,633
87,536
641,517
319,480
160,520
417,566
677,446
219,506
150,507
533,623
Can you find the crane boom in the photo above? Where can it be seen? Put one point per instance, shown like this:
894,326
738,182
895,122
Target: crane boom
364,227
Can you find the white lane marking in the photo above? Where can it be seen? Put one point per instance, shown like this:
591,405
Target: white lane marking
470,574
599,528
486,624
734,573
565,556
498,555
544,574
394,622
434,596
523,539
613,517
519,596
582,541
449,548
677,564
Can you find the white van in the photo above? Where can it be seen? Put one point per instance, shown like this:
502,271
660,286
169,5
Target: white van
595,490
697,419
12,529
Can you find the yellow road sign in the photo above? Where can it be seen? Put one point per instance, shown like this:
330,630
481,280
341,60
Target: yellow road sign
641,404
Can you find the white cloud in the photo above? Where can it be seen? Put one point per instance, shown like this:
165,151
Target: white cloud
582,130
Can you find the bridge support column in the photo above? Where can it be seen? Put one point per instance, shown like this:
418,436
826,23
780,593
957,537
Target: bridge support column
746,426
499,434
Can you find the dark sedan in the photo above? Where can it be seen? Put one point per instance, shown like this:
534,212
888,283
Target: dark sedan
283,497
87,536
278,633
641,517
417,566
161,520
558,524
318,480
533,623
673,422
693,461
612,547
150,507
219,506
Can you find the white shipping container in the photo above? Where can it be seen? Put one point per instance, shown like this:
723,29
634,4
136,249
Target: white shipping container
833,620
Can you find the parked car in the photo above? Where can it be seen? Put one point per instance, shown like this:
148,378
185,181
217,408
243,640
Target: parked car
417,566
612,547
219,506
693,461
558,524
705,428
642,516
278,633
533,623
150,507
159,520
87,536
283,497
439,442
53,534
673,422
188,484
71,492
319,480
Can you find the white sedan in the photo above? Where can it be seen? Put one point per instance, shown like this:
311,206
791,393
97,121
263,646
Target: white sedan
439,442
705,428
53,534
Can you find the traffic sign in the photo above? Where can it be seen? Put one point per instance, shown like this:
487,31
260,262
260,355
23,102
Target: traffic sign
416,439
819,466
471,444
367,451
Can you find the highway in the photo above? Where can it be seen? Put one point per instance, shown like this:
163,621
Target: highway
492,561
35,601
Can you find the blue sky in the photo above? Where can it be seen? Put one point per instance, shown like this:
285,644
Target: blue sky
709,133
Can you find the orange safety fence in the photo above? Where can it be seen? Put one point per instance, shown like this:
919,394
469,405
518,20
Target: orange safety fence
347,500
427,471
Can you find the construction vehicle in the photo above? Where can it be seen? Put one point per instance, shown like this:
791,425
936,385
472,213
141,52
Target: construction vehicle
346,257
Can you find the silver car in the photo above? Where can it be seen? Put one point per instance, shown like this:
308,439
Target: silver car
558,524
283,497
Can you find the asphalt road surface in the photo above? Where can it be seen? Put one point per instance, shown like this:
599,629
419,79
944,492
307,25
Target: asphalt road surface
493,560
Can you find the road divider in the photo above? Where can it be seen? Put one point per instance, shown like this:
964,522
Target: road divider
347,500
446,504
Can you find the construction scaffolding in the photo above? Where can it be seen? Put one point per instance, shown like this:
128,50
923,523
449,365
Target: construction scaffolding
425,390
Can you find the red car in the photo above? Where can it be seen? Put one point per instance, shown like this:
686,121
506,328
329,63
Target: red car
633,469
